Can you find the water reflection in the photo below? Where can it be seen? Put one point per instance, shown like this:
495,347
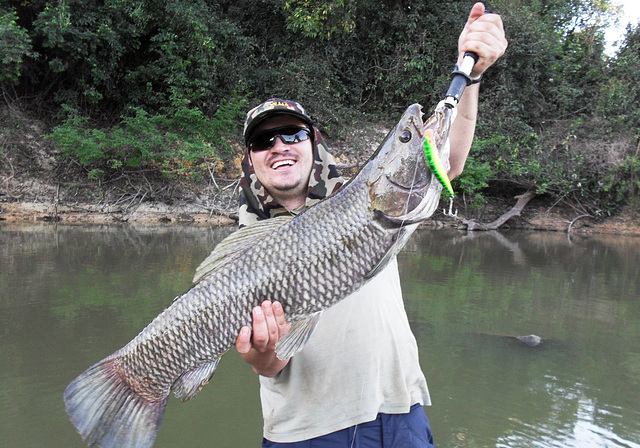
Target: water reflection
71,295
466,293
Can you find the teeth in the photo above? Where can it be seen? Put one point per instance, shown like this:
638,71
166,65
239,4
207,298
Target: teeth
280,163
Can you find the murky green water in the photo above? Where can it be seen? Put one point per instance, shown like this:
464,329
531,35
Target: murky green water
71,295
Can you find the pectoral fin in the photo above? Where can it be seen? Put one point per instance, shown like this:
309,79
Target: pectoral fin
297,336
189,384
401,239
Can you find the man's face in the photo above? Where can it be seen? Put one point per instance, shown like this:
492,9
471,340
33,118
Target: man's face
284,169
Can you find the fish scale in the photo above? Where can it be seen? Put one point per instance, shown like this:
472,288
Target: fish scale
308,263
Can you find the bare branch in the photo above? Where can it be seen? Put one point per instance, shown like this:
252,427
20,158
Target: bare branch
586,215
523,199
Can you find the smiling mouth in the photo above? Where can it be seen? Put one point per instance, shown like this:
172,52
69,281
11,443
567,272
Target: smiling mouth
281,163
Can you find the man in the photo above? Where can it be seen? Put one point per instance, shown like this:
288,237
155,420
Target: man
358,381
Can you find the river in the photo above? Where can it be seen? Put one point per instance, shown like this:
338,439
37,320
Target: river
71,295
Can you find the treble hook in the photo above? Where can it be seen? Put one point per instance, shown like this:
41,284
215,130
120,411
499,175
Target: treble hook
450,212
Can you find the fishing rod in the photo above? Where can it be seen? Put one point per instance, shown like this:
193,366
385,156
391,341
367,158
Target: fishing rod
462,77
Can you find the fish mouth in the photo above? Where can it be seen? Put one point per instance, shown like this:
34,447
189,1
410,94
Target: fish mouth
421,185
439,122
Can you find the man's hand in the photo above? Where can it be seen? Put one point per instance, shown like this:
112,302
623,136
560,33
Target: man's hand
269,325
484,35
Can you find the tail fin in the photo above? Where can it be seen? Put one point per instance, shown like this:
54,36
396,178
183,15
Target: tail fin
107,413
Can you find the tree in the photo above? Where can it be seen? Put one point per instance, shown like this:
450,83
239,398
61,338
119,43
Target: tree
15,45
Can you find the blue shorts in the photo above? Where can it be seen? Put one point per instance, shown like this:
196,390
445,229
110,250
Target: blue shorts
386,431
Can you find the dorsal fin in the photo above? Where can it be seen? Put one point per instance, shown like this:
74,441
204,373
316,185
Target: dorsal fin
237,243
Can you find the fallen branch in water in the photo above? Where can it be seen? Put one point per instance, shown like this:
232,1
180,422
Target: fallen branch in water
586,215
523,199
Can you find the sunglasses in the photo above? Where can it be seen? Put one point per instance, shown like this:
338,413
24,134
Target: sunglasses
289,135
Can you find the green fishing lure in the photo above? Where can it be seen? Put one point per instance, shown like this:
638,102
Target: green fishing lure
433,160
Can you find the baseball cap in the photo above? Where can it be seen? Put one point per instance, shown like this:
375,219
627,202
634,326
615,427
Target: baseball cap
269,108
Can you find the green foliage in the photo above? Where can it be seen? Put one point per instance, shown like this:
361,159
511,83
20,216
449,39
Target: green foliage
15,44
163,71
623,182
179,142
619,98
318,19
117,54
473,180
506,154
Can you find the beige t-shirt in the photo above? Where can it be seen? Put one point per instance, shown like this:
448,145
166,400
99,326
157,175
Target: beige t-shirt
362,359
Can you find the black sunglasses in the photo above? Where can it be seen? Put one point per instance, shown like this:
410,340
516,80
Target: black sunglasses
288,134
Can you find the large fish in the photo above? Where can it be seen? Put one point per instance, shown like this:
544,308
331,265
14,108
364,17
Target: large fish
308,263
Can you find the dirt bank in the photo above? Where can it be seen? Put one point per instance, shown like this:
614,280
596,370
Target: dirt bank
38,185
535,217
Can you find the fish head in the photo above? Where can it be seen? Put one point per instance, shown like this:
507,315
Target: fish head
401,184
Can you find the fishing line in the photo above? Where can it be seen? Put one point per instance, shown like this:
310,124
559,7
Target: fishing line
353,440
406,205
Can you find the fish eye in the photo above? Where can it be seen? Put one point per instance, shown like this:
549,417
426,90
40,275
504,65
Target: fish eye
405,136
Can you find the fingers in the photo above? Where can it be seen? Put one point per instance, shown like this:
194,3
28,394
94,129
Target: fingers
476,11
265,328
484,35
243,343
281,320
269,325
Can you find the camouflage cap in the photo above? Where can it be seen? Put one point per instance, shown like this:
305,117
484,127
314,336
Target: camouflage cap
269,108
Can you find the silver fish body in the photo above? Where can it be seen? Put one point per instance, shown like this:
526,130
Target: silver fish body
308,263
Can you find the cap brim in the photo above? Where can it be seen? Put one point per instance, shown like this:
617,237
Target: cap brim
272,113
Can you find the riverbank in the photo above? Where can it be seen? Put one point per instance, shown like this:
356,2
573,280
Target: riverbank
536,217
38,185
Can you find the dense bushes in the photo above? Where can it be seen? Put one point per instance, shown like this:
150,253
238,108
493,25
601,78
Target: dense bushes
163,84
179,142
15,45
